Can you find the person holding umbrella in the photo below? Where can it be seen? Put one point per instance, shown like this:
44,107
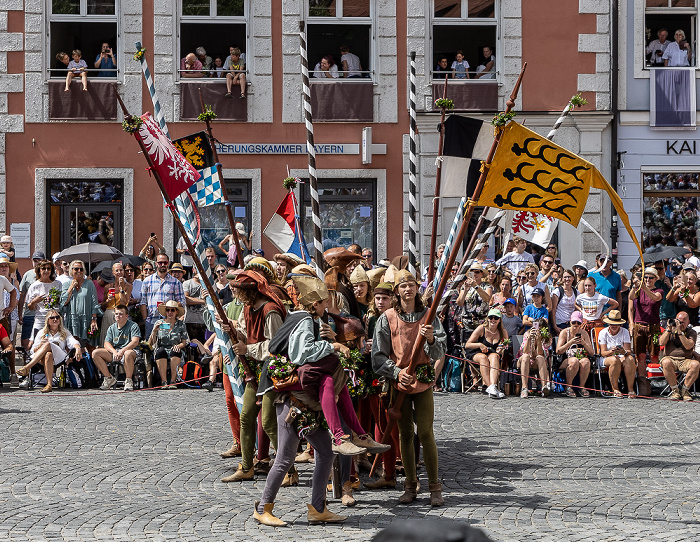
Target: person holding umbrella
80,305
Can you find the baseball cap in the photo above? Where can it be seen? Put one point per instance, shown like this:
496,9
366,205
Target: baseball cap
511,301
538,291
576,316
38,255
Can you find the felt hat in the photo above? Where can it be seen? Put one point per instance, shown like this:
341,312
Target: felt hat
106,275
400,262
404,276
614,317
311,289
171,304
375,276
5,259
304,269
262,266
390,274
385,288
252,280
292,260
340,257
359,275
177,267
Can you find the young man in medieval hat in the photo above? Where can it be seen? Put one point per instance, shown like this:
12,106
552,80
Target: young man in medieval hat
396,333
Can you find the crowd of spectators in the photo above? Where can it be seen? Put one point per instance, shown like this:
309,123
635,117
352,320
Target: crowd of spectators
459,68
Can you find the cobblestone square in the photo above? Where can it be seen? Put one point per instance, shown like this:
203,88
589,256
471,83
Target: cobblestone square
145,466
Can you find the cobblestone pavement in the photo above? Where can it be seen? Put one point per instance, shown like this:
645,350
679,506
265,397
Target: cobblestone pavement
144,466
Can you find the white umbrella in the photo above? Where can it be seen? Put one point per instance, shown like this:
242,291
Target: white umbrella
90,252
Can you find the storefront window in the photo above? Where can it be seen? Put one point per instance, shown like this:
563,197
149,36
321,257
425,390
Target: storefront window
671,211
348,214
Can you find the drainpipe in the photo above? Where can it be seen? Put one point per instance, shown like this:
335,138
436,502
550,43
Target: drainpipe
614,158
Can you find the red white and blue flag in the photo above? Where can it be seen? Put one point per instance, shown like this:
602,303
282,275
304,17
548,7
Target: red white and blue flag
284,230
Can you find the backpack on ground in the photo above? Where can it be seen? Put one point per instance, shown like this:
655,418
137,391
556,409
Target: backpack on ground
452,375
87,371
192,374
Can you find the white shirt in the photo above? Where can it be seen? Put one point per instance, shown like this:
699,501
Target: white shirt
516,262
320,74
5,286
592,307
353,61
38,289
676,56
654,46
63,278
610,341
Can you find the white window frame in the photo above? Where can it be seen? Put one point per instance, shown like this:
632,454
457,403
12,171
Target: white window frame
213,18
360,21
466,21
694,39
82,17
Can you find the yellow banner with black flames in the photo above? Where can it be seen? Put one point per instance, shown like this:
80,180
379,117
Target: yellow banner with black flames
531,173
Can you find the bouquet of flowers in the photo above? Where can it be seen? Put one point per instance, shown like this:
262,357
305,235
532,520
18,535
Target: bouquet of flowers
685,293
374,383
444,102
279,367
207,114
655,338
580,353
544,334
93,335
138,55
53,298
425,373
132,124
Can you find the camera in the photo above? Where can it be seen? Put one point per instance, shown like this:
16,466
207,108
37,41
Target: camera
153,234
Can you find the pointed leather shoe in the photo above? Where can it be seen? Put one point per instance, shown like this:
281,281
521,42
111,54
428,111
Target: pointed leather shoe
326,516
267,517
240,475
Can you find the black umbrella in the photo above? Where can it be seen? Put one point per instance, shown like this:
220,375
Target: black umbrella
136,261
657,254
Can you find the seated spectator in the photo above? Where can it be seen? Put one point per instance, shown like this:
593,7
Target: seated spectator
8,351
350,63
460,67
190,67
204,59
76,67
679,342
442,69
62,64
655,50
168,338
326,68
217,69
533,355
235,68
106,62
213,359
616,351
577,345
121,341
487,68
536,310
51,347
488,339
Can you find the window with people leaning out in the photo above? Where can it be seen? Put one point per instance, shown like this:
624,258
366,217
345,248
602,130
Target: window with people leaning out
464,40
339,39
671,211
213,42
82,41
670,33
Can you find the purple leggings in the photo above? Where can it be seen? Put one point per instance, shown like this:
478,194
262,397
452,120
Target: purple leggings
326,396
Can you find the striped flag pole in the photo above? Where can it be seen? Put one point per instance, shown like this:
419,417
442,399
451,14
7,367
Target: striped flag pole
412,168
311,150
187,216
575,101
450,241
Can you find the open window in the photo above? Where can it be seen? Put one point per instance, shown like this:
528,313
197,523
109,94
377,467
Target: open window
82,25
662,19
464,34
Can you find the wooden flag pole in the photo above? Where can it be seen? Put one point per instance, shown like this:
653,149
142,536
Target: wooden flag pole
249,374
436,199
394,413
227,203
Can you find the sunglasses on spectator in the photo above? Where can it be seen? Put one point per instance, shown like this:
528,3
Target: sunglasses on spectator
161,263
530,273
366,256
64,263
46,268
575,323
148,270
547,261
170,310
54,317
494,318
78,269
649,277
521,277
221,271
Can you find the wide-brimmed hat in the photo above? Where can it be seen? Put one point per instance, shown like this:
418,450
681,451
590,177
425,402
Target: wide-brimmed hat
476,266
651,271
6,239
106,275
614,317
304,269
177,267
262,266
4,258
171,304
340,257
582,264
292,260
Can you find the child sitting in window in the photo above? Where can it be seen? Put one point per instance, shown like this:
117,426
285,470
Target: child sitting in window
77,66
460,66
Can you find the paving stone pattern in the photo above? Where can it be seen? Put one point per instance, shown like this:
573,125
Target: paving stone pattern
144,466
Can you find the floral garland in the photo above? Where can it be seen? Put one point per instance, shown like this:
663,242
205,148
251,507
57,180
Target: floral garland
207,114
139,54
290,183
501,119
93,334
53,298
305,420
279,367
425,373
444,103
355,366
132,124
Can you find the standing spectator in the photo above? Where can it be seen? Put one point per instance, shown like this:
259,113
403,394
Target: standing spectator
106,62
157,289
6,286
581,270
608,283
487,68
668,308
691,258
657,47
511,321
367,258
204,59
149,252
38,294
526,290
646,305
517,259
26,315
442,69
76,67
120,343
235,68
194,317
190,67
245,242
61,269
678,51
564,301
536,310
547,269
186,259
616,350
350,63
9,314
460,67
678,341
80,305
326,68
7,246
686,296
118,293
592,305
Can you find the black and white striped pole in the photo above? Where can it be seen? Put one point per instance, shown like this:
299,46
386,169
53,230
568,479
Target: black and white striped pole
412,169
311,151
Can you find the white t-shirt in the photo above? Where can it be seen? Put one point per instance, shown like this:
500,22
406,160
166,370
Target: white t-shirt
592,307
63,278
353,61
185,259
565,307
38,289
605,338
516,262
5,286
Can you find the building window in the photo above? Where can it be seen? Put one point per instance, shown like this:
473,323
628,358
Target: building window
215,25
332,24
348,214
83,25
670,209
82,211
464,28
662,19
